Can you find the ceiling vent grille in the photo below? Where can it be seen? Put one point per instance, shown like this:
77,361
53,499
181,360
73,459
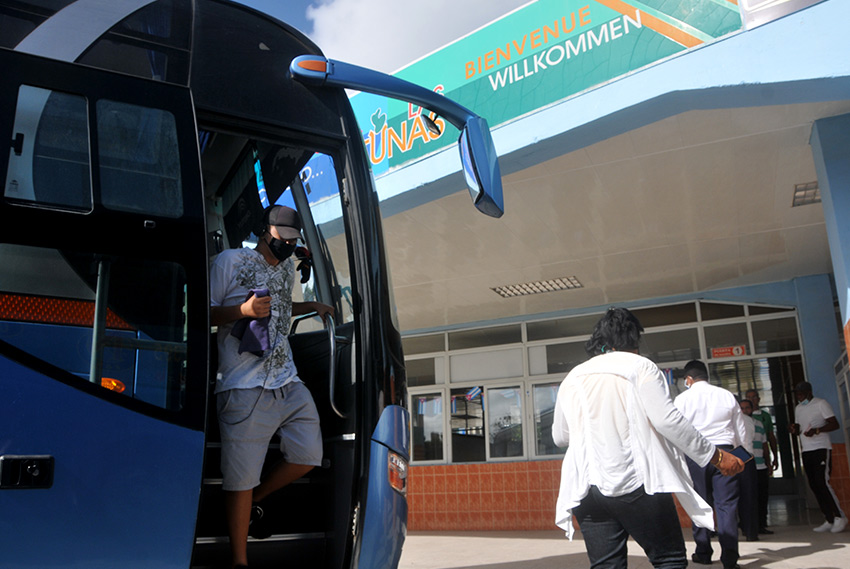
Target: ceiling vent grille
805,194
536,287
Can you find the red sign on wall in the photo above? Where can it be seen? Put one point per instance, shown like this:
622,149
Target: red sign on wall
728,351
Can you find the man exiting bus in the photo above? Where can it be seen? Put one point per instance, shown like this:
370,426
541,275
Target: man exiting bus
258,389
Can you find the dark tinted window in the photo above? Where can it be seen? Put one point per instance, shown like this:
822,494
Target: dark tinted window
139,159
49,163
48,308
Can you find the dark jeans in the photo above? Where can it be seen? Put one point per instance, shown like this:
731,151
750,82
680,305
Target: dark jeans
607,522
818,466
722,493
748,503
763,477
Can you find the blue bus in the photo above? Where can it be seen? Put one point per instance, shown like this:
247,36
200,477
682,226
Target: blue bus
143,137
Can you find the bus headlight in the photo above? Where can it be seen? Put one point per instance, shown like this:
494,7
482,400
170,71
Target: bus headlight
397,472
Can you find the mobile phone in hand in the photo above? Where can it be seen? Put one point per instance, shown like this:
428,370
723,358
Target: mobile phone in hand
742,453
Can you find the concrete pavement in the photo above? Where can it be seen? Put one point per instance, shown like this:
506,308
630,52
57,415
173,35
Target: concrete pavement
791,547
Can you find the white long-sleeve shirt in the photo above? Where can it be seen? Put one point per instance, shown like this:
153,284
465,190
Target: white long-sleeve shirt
623,431
714,412
749,434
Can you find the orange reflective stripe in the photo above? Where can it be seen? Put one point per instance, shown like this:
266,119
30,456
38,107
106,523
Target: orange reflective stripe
48,310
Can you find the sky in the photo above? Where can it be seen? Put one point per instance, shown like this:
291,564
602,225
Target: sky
384,34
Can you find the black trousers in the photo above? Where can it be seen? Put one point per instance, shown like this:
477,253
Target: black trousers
763,477
607,522
748,502
818,467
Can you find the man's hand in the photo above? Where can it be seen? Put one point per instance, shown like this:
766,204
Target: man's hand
729,464
323,309
299,308
794,428
256,307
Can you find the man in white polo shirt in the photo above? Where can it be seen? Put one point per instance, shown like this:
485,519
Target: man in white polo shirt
814,419
715,413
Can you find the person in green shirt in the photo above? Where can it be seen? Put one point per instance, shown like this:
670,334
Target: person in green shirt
771,458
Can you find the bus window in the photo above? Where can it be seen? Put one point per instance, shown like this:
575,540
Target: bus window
138,156
49,309
49,161
315,193
139,159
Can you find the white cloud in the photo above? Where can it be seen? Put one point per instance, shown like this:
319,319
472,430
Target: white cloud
388,34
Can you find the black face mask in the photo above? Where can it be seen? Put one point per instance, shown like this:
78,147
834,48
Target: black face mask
281,249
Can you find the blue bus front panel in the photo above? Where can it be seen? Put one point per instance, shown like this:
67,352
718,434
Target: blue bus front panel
118,496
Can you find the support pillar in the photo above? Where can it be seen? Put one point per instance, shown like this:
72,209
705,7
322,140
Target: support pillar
830,143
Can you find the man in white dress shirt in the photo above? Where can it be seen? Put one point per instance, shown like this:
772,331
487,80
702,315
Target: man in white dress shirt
624,459
748,503
716,414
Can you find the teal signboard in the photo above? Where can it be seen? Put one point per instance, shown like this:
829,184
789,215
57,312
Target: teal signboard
542,53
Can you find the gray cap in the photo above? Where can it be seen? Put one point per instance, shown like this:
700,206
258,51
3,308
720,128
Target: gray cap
286,220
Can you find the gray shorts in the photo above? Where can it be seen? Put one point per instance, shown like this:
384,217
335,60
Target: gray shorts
248,418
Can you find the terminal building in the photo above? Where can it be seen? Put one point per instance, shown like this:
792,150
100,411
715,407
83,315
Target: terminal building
687,159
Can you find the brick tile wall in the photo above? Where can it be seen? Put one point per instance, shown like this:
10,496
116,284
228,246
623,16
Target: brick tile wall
517,495
486,496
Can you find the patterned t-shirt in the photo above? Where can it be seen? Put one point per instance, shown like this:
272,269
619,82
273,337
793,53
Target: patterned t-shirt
232,276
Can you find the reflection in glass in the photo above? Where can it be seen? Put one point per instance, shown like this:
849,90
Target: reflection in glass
139,159
666,315
505,421
756,310
423,344
427,426
467,423
722,341
561,358
562,327
671,346
420,372
544,396
716,311
137,344
775,335
484,337
49,155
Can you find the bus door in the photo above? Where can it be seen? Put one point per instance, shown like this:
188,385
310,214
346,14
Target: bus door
324,351
310,521
103,318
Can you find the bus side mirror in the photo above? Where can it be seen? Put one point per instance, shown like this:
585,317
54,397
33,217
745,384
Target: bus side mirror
477,153
481,167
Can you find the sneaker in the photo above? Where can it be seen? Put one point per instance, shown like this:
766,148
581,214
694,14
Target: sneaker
258,527
701,560
256,513
838,525
825,526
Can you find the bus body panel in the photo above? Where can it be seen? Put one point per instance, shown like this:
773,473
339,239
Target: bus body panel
109,500
250,55
385,518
